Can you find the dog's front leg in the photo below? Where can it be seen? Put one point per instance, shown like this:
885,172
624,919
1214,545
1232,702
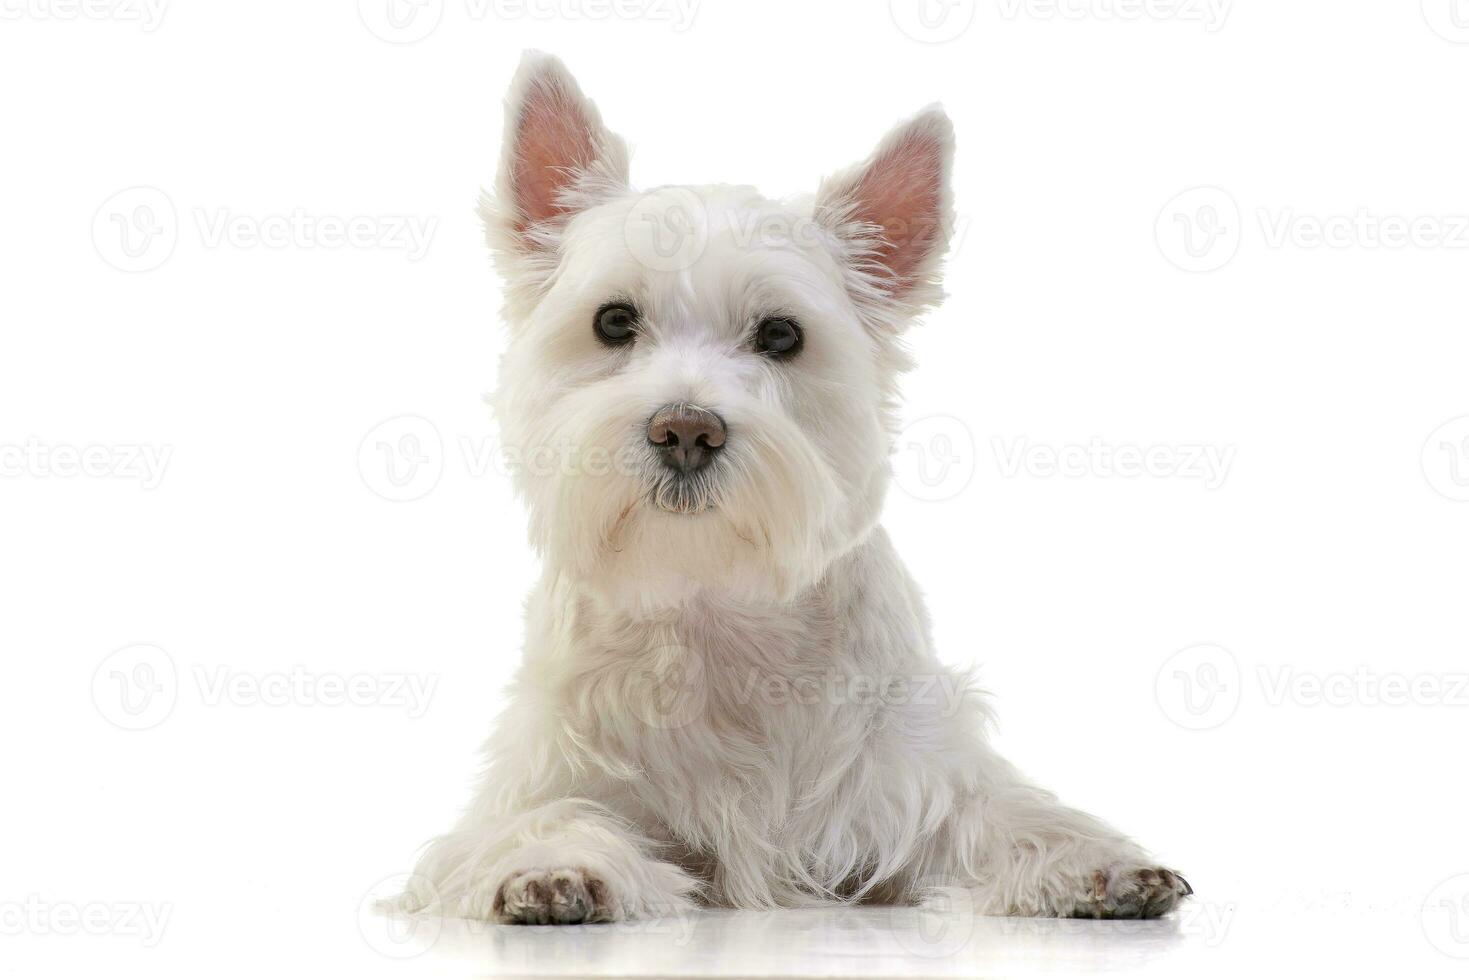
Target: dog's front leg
564,862
1022,852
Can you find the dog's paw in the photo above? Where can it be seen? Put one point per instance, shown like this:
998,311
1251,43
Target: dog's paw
1125,891
553,897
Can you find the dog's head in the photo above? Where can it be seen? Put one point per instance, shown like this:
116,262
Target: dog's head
698,390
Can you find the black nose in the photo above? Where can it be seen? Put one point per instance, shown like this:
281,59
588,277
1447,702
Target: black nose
686,438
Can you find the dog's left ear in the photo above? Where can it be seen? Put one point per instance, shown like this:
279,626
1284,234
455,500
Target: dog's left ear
893,215
557,160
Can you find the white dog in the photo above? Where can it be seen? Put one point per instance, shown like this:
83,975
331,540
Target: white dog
729,693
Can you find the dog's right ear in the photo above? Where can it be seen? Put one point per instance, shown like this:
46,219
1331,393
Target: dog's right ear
893,215
557,159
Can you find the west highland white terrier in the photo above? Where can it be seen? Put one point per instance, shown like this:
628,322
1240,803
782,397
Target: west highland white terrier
729,695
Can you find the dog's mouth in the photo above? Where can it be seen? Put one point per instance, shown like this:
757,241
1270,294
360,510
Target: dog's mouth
691,510
688,495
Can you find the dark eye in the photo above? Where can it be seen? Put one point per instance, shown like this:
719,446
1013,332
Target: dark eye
778,336
615,323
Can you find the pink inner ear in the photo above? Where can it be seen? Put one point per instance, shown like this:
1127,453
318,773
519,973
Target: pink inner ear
900,193
553,141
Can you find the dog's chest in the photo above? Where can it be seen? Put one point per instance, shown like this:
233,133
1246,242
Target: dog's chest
718,695
757,676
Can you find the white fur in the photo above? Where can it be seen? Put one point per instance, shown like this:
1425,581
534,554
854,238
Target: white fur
689,723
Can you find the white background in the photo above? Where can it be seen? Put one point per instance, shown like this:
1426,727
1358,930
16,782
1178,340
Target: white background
1089,302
